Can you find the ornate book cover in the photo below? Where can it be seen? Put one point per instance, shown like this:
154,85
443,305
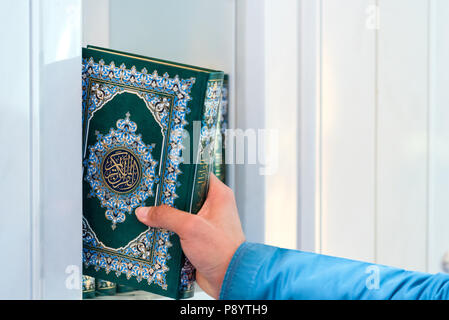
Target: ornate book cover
105,288
220,139
88,287
149,127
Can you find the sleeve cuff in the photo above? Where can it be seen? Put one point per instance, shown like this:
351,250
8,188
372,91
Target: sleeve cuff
242,271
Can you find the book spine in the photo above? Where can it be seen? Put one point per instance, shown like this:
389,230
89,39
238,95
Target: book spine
220,139
105,288
203,167
88,287
219,169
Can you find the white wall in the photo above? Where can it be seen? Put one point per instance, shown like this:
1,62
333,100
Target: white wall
57,103
15,162
198,32
249,112
402,133
347,130
95,23
281,122
267,88
383,136
438,171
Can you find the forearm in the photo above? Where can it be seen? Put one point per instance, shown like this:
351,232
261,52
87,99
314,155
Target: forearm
263,272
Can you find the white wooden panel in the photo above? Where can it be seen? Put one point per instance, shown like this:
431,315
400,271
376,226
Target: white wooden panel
308,135
40,233
250,103
60,177
347,130
15,230
439,135
402,133
55,149
281,81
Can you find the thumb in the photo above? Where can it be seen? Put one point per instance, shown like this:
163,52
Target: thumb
166,217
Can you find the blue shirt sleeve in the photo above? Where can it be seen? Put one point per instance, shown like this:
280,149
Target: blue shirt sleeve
260,272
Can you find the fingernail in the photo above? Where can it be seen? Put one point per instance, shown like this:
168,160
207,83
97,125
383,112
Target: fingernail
140,212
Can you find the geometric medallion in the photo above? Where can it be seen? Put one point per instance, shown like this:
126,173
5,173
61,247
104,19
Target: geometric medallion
121,170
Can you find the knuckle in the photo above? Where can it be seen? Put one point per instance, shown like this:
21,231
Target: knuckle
157,213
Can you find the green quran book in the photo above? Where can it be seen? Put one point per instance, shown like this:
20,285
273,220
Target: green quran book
105,288
88,287
149,127
124,289
220,139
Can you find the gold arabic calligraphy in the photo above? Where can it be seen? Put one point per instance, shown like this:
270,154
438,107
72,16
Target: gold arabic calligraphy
121,170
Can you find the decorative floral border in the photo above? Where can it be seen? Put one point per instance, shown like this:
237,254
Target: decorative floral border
142,258
104,285
88,284
209,122
224,107
145,257
220,139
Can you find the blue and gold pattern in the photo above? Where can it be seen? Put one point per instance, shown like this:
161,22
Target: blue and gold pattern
105,288
121,170
223,119
187,276
137,259
209,123
144,257
98,82
88,287
220,139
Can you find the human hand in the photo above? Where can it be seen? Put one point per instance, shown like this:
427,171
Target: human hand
209,239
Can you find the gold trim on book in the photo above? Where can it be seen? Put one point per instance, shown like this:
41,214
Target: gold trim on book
111,252
135,88
107,288
154,61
